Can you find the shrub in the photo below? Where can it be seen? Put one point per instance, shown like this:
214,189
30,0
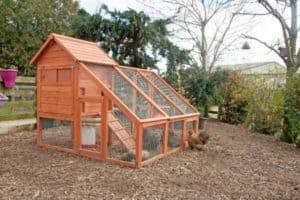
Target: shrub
254,102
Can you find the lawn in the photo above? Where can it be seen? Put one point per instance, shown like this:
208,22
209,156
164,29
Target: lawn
235,164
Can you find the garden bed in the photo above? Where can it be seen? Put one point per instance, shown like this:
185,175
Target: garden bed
235,164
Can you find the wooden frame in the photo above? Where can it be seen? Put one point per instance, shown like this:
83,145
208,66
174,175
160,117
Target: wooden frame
67,99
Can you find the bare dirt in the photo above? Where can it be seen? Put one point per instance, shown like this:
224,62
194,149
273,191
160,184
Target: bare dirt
235,164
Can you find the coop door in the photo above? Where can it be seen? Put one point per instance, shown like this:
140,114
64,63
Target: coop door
56,91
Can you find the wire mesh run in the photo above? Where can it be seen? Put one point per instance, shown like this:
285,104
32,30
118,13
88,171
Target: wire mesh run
91,133
175,134
168,92
154,93
125,91
57,132
152,141
121,136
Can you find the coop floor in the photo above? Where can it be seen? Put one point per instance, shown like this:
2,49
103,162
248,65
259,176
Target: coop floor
235,164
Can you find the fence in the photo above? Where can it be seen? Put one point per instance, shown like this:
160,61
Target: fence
22,100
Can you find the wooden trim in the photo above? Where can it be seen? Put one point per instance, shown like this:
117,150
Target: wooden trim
38,99
178,117
197,126
98,63
112,96
160,122
183,137
139,146
120,162
165,140
40,51
140,91
93,99
161,93
56,116
151,160
154,119
66,49
89,153
104,127
77,110
57,148
172,151
134,69
176,93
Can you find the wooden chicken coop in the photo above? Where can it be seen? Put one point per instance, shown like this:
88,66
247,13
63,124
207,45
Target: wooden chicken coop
88,104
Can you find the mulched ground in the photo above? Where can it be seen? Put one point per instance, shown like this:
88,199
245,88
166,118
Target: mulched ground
236,164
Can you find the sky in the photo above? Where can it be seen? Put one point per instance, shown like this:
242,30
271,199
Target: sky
267,30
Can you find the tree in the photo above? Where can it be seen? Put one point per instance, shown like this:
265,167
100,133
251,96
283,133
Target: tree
25,24
209,25
131,37
203,90
290,54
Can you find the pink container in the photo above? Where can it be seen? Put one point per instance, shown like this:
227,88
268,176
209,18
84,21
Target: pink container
9,77
3,100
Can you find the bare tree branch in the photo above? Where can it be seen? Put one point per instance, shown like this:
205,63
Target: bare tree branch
266,45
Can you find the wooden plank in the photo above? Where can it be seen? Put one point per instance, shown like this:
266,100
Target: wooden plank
95,99
104,127
66,89
77,110
139,146
151,160
60,100
55,116
55,108
165,140
184,136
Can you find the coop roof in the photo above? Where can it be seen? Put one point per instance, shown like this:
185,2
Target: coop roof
80,50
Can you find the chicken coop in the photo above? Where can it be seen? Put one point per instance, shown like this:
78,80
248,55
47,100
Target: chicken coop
88,104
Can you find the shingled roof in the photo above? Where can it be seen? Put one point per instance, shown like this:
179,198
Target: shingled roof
80,50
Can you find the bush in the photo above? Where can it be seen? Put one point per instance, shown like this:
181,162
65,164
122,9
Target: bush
254,102
292,110
233,106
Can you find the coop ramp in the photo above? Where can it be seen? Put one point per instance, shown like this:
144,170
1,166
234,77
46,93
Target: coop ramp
120,132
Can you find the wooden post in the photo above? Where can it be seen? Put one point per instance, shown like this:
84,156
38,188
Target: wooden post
104,126
38,119
77,110
183,134
197,126
166,138
139,146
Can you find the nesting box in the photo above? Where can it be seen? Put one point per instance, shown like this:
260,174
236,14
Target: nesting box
132,115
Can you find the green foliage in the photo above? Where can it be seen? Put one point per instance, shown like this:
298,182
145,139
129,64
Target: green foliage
254,102
131,37
24,26
234,104
292,110
202,88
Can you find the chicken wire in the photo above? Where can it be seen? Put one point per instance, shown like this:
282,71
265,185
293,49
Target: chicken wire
121,136
173,96
91,133
57,132
152,92
175,134
123,89
152,141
